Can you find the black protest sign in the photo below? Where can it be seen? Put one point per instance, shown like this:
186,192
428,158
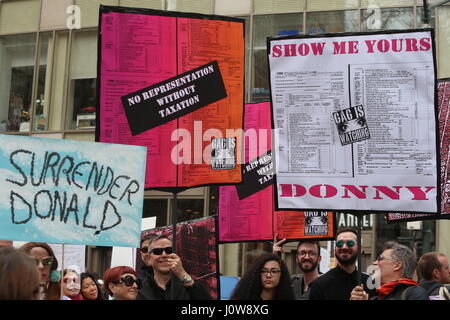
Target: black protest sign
352,125
173,98
257,175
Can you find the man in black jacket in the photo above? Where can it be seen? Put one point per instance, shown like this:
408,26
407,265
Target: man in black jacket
396,265
168,280
434,271
337,284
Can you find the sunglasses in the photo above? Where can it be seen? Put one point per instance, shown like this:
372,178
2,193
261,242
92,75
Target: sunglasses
48,261
340,243
159,251
129,281
144,250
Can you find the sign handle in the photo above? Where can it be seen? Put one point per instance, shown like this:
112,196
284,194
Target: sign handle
358,229
174,236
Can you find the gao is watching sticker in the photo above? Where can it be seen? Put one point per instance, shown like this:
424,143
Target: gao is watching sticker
352,125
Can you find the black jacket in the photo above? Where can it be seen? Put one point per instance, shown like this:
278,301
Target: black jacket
405,292
432,287
151,291
336,284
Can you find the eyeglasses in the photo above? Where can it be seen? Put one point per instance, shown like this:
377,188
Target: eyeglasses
129,281
47,261
340,243
304,253
144,250
271,271
159,251
381,258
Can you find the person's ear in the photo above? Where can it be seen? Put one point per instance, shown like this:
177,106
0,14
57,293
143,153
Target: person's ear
320,259
436,274
398,265
112,287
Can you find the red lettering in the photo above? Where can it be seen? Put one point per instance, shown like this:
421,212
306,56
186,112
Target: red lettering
303,49
286,190
411,45
425,44
317,48
383,45
339,47
353,47
330,191
397,45
394,195
370,44
360,194
289,50
418,193
299,190
276,51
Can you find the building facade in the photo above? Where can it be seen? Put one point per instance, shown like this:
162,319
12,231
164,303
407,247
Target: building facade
48,69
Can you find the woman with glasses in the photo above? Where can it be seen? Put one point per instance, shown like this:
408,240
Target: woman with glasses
90,289
122,283
47,265
267,279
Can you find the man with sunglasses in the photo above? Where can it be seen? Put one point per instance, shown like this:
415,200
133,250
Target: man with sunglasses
396,266
145,269
308,260
168,280
338,283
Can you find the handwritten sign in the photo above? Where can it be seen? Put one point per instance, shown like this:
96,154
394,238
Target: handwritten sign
71,192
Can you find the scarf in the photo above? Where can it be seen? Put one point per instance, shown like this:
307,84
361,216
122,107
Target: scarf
387,288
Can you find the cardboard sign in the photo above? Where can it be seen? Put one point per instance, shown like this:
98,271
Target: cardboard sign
380,81
173,98
71,192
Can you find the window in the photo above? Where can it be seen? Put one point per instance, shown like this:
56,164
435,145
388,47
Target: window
17,58
156,208
188,209
264,26
332,21
43,91
420,242
394,18
82,82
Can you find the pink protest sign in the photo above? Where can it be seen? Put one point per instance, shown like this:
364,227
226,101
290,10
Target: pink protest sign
246,211
158,55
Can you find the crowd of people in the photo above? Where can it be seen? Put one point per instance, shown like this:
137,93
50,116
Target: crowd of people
31,273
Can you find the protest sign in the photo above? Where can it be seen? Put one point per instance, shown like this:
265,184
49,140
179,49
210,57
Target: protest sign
444,141
71,192
197,247
246,210
356,122
176,86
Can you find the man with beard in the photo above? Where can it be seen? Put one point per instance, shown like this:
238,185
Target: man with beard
338,283
308,259
167,275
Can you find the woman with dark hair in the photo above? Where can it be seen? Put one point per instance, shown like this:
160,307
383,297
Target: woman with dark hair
122,283
90,289
19,277
47,265
71,285
267,279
